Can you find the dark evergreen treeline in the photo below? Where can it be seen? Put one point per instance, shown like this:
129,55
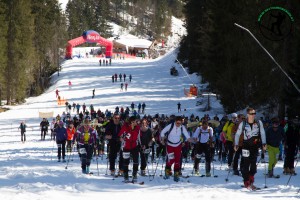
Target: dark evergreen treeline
31,33
231,61
141,17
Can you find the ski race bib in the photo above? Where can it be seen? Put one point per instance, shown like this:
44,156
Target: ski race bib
126,155
82,151
245,153
171,156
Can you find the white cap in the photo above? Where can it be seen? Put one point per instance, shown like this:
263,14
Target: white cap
233,115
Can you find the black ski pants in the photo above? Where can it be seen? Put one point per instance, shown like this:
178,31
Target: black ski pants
199,149
134,154
114,147
23,136
61,149
86,156
249,162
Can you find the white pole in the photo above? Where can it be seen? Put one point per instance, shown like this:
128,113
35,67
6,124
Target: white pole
294,84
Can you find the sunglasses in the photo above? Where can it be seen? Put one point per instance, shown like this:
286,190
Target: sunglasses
251,113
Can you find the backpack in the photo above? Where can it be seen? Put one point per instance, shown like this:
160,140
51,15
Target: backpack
182,138
253,141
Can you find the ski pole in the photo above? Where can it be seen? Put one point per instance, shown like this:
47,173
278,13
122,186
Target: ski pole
146,160
52,149
291,174
97,165
73,153
265,175
158,159
69,158
107,158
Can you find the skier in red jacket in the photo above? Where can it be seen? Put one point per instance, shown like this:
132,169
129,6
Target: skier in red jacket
129,134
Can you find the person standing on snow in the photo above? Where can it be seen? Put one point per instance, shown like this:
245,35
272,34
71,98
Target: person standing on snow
129,135
130,78
23,127
86,138
254,136
172,136
179,107
274,136
203,137
126,85
44,128
93,93
114,145
70,134
57,93
145,144
61,137
53,125
143,107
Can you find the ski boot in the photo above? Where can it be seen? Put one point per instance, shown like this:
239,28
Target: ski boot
167,173
143,172
126,178
208,174
134,176
112,172
197,173
176,176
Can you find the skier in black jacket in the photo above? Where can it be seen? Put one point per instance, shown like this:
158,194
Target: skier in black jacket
114,144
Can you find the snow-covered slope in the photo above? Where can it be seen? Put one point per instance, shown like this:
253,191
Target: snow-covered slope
31,171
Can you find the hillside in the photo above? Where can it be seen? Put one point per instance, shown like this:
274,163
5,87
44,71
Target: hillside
31,171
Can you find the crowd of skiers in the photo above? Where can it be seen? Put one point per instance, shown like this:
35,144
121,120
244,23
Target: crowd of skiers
175,139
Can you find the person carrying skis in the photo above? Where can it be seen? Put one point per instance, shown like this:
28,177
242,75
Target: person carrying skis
203,136
86,137
173,136
145,144
114,144
44,128
254,137
129,135
274,136
61,137
23,127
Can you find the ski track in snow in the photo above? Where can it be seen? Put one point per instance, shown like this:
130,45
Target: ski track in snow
31,171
